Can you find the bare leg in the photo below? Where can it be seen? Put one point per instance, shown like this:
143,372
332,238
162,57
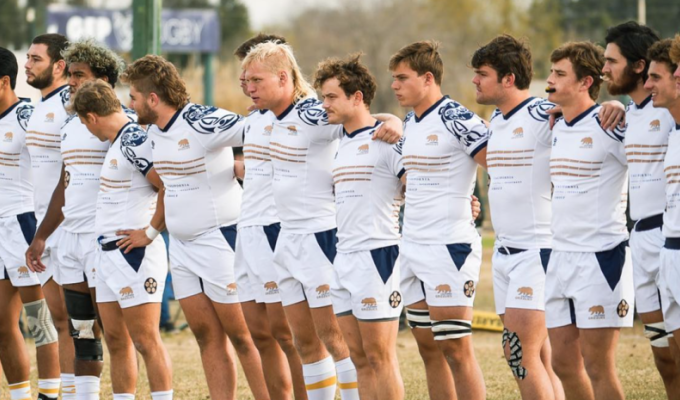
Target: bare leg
283,335
121,350
368,383
598,347
568,363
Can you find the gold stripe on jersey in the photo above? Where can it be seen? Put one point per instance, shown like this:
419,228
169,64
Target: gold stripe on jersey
286,159
287,154
353,180
574,175
645,146
352,173
353,166
245,146
246,151
43,145
177,162
286,147
10,154
575,161
180,173
42,139
112,181
114,187
158,169
426,158
9,165
256,158
42,133
509,151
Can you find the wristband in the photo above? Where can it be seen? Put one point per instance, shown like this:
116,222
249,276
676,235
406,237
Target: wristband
151,233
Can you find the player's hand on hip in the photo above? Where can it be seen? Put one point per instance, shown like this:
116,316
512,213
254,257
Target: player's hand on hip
133,238
612,114
476,207
34,255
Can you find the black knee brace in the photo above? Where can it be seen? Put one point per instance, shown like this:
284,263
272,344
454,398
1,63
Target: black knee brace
83,317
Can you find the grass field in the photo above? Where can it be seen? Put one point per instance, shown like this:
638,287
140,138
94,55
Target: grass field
636,367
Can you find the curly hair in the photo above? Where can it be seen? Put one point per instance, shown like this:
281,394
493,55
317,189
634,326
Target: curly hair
102,61
154,74
587,59
675,50
95,97
507,56
662,52
352,75
422,57
242,51
277,57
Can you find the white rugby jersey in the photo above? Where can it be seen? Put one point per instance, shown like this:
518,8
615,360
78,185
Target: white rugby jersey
518,163
366,174
646,144
193,157
257,207
589,174
16,185
44,145
671,218
126,199
438,156
302,147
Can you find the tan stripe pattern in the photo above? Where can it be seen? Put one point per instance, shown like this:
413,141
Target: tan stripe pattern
423,162
280,152
180,168
353,173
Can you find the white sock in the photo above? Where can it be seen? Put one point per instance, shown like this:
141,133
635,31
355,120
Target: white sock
167,395
87,387
49,388
20,390
347,379
320,379
68,386
123,396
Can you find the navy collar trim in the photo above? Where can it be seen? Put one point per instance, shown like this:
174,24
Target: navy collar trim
644,102
286,112
580,116
677,127
12,107
55,91
429,110
263,112
517,108
120,131
358,131
172,120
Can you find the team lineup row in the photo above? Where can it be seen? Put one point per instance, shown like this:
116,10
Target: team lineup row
310,293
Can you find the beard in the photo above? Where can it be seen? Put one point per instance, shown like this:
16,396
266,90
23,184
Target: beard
43,80
146,115
629,81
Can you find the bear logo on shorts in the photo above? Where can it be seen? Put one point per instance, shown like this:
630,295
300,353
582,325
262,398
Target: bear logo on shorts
323,291
23,272
443,290
596,312
150,285
525,293
623,308
231,289
469,289
395,299
369,304
271,288
126,293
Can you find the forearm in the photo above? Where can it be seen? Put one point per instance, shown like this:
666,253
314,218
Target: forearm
158,219
54,216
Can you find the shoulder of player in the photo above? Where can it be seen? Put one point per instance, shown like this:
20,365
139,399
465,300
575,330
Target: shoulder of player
209,119
455,116
310,111
133,135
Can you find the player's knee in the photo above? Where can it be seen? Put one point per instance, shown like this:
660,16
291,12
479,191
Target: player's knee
449,335
657,335
40,323
241,342
88,347
146,345
283,336
514,354
377,356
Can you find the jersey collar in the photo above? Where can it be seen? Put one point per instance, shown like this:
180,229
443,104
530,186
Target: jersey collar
263,112
120,131
172,120
12,107
677,126
55,91
286,112
517,108
644,103
429,110
581,116
358,131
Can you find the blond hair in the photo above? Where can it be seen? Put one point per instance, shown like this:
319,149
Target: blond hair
277,57
96,97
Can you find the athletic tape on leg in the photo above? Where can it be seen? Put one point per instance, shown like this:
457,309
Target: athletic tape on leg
418,318
82,313
657,335
40,323
515,357
451,329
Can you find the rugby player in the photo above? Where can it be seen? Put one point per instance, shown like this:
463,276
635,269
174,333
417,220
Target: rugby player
664,84
625,71
518,160
302,147
72,210
131,274
589,287
258,229
368,195
440,249
191,148
17,226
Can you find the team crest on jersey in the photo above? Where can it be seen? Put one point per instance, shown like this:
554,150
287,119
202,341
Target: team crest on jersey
525,293
432,140
518,133
67,179
292,130
201,119
113,164
655,126
369,304
311,113
49,117
126,293
587,143
183,144
23,272
596,312
268,130
24,114
539,110
9,136
363,149
232,289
